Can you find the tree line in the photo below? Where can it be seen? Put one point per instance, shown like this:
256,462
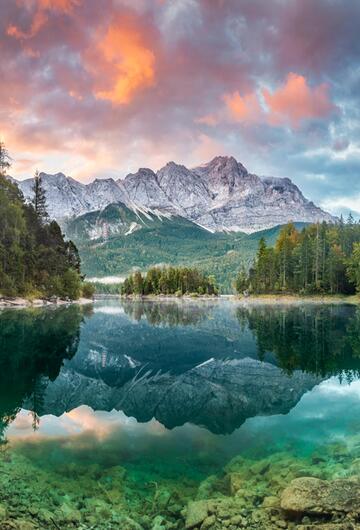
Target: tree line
169,280
35,259
321,258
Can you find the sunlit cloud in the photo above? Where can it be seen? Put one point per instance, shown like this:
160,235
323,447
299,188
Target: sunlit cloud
129,64
40,16
296,101
244,108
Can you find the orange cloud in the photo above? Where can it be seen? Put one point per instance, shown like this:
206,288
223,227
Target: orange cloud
296,101
290,104
40,17
130,63
209,119
243,108
64,6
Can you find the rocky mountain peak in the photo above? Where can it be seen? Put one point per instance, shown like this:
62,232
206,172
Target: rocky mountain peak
225,176
218,195
143,172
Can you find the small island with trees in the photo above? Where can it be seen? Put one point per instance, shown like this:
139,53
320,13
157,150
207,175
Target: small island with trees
170,281
36,262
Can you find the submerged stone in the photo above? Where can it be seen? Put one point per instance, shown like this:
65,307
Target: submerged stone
3,512
196,513
328,526
314,496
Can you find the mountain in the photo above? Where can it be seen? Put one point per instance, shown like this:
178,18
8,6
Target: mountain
66,197
220,196
118,238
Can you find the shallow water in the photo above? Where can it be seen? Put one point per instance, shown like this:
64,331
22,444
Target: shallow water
118,414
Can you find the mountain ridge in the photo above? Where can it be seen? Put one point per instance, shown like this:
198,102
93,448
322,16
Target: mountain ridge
220,195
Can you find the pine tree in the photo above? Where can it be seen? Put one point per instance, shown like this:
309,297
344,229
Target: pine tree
39,200
4,159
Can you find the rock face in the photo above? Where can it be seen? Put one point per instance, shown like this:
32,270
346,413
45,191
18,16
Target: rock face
189,193
220,195
310,495
143,189
67,197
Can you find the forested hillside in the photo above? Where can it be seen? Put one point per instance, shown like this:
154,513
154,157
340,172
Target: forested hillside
321,258
35,260
116,240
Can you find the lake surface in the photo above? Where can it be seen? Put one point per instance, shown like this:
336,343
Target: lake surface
118,414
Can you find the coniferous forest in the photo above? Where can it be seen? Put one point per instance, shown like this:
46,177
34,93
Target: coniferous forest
168,281
35,260
321,258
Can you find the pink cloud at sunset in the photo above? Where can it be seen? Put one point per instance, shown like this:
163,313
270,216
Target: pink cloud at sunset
243,108
296,101
290,104
94,91
40,16
130,65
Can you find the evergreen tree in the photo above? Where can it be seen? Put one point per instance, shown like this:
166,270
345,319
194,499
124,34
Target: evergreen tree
353,268
39,200
4,159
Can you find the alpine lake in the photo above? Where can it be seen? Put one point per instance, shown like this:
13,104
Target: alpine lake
160,415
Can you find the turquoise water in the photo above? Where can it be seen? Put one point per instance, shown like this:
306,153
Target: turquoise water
116,415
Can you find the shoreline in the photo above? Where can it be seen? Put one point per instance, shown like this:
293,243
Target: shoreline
23,303
266,299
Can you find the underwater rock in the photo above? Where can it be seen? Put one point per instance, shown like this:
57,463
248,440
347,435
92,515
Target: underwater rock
270,502
309,495
328,526
236,482
25,525
208,522
126,523
196,513
3,512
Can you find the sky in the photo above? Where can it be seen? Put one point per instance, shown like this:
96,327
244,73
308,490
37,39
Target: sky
100,88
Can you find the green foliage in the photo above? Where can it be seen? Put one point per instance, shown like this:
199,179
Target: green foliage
34,257
88,290
353,268
169,281
174,241
70,285
39,199
105,288
321,258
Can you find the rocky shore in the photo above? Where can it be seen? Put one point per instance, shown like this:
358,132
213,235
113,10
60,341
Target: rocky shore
22,303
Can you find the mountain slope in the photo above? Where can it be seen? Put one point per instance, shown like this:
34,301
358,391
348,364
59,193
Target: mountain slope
115,240
220,195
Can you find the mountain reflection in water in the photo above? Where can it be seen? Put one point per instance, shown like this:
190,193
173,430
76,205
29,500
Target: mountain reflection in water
213,364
